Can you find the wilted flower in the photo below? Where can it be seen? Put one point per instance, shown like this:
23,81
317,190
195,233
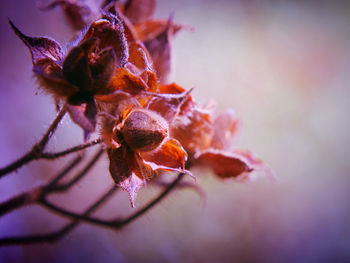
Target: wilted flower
85,71
140,146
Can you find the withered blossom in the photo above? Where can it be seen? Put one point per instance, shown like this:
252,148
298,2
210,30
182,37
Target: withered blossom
115,77
82,73
139,147
207,141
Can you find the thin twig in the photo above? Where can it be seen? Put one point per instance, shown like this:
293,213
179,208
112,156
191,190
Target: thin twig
65,186
70,150
115,223
37,149
35,194
54,236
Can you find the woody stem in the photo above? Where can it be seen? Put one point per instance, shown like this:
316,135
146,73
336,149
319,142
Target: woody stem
37,149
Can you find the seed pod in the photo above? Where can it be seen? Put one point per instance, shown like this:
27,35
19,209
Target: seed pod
144,130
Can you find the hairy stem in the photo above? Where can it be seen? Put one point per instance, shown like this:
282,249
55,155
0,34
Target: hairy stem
37,149
70,150
115,223
35,194
54,236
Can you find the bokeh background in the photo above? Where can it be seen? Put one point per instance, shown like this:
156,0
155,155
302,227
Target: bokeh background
284,66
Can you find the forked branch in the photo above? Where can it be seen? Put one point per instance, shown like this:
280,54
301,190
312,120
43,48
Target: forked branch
37,149
85,217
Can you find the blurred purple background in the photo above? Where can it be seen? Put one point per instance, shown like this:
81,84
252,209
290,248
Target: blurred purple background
284,66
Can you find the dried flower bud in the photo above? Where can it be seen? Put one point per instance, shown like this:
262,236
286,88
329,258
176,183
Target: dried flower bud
144,130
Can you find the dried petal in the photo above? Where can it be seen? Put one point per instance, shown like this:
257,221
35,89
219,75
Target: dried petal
139,10
150,29
76,68
144,130
168,105
40,47
224,164
111,34
160,50
50,77
125,81
261,169
121,163
102,70
151,79
169,156
225,126
193,130
138,56
79,117
122,167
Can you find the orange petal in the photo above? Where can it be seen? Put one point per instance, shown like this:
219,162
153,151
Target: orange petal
169,156
224,164
125,81
40,47
150,29
261,169
121,163
138,56
225,126
193,130
151,80
172,88
127,170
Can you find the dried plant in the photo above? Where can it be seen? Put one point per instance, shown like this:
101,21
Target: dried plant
114,81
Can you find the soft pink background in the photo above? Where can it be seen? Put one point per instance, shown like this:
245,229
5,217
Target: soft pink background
284,66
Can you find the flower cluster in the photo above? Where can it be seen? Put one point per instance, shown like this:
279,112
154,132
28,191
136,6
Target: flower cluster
115,80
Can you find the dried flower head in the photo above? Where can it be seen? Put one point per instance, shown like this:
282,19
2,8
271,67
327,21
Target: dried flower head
76,77
140,146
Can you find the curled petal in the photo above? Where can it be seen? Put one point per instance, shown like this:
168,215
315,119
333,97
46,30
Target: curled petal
225,126
125,81
187,105
102,70
151,79
224,164
169,156
172,88
110,34
76,65
193,129
261,169
121,163
168,105
150,29
138,56
40,47
81,117
50,78
127,171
